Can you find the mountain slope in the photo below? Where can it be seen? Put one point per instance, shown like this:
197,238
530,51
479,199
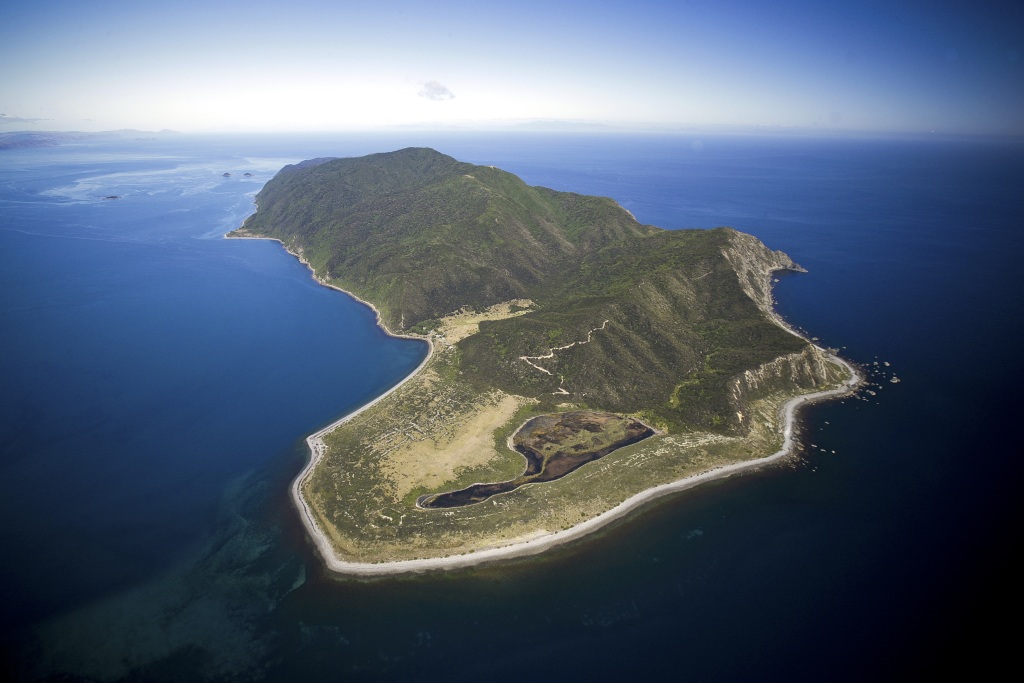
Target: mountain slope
422,235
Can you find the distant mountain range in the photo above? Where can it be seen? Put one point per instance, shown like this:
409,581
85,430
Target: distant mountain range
32,138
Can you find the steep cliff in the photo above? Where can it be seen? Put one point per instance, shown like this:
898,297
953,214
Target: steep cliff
806,371
754,263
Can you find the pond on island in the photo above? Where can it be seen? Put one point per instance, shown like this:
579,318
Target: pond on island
553,445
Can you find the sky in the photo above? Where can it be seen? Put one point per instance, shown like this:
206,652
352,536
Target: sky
912,66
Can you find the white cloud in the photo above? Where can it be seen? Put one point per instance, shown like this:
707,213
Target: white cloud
433,90
4,118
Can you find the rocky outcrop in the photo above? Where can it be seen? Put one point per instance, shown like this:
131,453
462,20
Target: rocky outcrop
806,371
754,263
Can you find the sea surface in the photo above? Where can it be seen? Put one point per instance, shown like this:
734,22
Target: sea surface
157,382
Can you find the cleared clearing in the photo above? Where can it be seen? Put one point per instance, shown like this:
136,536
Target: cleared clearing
467,442
456,327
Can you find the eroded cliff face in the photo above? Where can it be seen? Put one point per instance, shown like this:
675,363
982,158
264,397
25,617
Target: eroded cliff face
808,370
754,263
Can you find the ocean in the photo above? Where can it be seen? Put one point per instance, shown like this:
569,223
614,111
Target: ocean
159,381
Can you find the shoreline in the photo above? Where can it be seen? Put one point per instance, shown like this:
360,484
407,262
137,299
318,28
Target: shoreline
547,540
542,540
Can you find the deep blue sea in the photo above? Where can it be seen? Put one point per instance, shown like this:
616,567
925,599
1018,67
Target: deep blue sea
157,382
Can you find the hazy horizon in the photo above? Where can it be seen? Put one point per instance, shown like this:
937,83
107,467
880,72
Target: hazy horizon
874,67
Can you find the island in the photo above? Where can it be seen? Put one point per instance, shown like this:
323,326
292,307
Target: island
580,363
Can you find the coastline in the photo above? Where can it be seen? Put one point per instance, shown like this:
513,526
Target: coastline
315,440
546,540
542,540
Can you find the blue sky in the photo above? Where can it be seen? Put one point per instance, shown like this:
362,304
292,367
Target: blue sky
897,65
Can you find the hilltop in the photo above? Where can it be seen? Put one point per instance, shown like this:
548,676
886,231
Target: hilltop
537,303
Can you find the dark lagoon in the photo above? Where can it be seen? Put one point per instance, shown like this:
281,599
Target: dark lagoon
158,382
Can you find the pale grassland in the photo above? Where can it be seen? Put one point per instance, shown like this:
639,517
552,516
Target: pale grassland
466,444
458,326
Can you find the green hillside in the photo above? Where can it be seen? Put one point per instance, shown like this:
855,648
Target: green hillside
422,235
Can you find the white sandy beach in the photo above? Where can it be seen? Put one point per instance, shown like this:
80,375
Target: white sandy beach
543,540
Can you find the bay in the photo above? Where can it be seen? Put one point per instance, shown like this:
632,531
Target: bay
159,381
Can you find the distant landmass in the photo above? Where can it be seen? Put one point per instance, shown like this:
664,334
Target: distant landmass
25,139
621,360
